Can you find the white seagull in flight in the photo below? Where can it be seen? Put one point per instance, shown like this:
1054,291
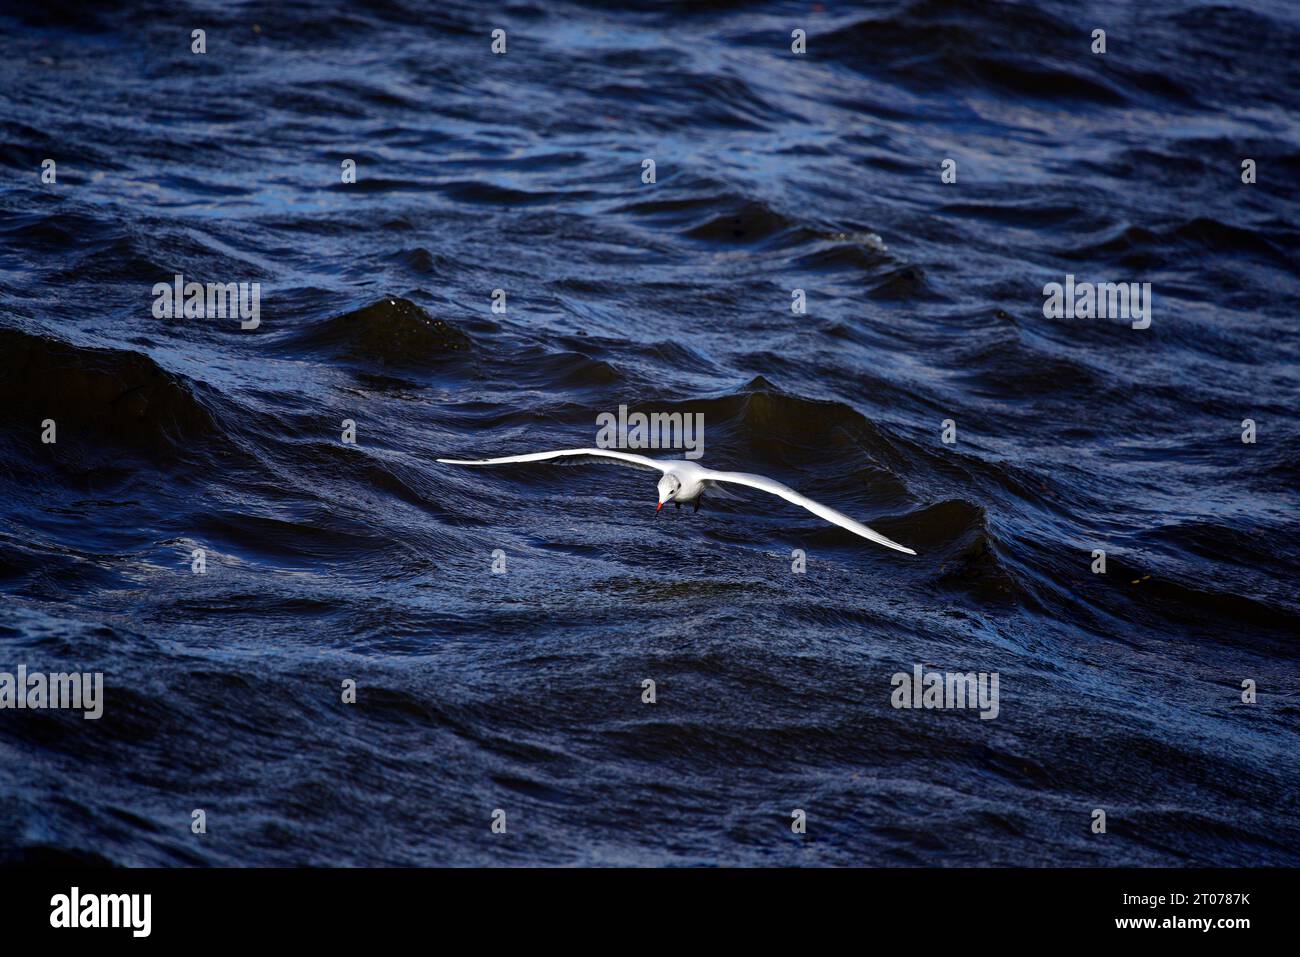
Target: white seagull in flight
684,481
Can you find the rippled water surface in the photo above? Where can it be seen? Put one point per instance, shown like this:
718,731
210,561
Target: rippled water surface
522,691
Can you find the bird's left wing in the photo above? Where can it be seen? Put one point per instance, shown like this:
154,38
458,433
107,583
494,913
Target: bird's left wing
822,511
574,455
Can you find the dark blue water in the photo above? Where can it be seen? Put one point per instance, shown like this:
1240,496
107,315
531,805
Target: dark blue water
522,691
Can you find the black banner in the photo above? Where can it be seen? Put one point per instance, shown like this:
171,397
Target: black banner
1229,907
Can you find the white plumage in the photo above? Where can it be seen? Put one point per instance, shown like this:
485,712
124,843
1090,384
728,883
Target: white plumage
683,481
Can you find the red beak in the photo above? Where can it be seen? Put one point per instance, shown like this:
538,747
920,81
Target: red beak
659,506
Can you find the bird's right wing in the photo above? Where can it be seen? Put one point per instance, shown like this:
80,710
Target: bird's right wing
574,455
818,509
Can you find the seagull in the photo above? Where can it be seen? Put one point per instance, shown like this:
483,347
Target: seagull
684,481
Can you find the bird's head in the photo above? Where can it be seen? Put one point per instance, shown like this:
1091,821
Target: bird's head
669,486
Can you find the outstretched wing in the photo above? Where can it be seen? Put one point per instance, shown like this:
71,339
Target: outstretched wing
573,455
822,511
